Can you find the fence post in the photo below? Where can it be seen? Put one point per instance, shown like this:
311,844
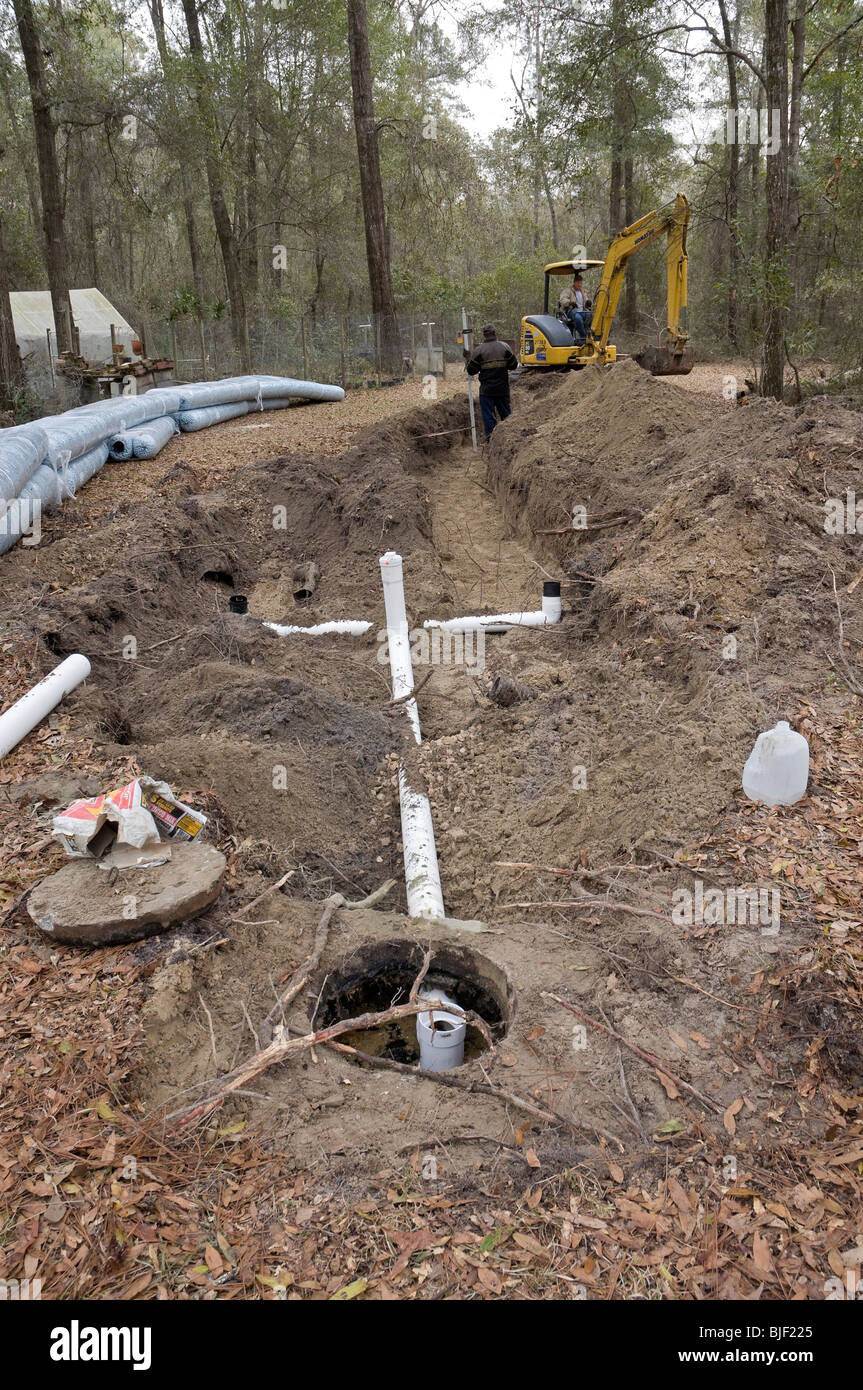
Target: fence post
174,345
203,349
303,341
342,348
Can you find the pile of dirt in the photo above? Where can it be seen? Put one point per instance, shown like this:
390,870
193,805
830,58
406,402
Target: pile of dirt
698,609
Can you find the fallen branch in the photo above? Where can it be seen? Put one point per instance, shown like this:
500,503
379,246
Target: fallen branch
648,1057
591,902
443,1078
240,917
304,972
282,1047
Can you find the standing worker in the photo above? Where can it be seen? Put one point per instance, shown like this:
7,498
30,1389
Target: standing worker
493,361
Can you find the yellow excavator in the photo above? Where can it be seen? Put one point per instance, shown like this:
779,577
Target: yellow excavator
547,341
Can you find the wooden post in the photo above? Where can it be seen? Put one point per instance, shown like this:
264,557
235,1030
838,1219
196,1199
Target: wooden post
174,345
303,341
51,361
413,346
113,344
342,349
203,349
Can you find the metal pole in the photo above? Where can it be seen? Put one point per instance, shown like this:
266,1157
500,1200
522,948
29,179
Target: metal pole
465,332
203,350
51,361
303,341
174,345
342,347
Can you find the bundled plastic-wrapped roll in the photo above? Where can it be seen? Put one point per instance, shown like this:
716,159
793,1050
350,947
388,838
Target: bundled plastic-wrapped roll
48,489
22,449
202,417
145,441
250,388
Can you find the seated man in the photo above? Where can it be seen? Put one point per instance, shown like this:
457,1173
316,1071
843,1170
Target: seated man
573,307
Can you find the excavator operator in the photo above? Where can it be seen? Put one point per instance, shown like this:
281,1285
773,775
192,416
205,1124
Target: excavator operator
575,310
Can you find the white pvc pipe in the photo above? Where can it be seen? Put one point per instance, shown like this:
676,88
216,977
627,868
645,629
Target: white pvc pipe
31,709
502,622
398,639
441,1036
422,875
353,629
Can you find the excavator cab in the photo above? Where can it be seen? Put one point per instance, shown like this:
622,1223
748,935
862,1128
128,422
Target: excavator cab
547,342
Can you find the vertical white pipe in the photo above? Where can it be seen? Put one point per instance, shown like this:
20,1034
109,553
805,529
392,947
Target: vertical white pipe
31,709
465,333
422,875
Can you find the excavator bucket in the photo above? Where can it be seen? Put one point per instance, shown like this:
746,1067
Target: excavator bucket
665,360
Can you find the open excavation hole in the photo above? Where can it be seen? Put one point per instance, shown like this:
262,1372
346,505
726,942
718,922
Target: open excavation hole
379,975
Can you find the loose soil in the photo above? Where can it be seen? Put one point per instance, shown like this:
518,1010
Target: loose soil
702,601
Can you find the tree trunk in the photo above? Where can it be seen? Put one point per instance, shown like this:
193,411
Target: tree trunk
732,205
630,319
798,35
55,250
11,374
218,203
776,243
374,212
157,16
618,123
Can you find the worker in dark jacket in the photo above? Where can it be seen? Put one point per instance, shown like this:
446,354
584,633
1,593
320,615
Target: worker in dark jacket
492,361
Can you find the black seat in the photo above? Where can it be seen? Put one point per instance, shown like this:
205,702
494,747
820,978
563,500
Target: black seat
557,333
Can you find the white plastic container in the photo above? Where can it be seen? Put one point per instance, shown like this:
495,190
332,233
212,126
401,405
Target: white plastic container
777,769
440,1035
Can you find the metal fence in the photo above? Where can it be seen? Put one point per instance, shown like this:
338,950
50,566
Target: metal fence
343,349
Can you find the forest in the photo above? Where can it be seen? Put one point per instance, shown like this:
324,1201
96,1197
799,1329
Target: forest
288,180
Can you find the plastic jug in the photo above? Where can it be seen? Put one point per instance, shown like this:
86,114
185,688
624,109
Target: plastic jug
777,769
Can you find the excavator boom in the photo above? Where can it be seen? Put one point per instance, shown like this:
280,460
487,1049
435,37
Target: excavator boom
672,356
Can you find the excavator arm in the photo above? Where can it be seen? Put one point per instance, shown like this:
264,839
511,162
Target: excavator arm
672,356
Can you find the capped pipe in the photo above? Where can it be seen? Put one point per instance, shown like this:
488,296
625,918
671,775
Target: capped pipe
502,622
31,709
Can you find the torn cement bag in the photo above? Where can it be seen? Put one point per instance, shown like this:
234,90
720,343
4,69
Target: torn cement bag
142,813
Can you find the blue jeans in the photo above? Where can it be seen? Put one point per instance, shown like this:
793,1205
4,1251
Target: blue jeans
579,320
491,404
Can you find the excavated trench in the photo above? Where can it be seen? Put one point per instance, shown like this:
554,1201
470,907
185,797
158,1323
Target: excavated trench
561,764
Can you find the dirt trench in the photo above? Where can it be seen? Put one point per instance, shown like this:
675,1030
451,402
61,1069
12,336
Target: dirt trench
617,750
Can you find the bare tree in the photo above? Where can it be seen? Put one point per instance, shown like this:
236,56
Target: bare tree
371,185
215,183
53,227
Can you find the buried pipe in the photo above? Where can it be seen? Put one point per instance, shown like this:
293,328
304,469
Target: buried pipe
422,875
346,625
31,709
502,622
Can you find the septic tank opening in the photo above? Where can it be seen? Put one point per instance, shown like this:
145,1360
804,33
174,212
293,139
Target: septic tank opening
380,974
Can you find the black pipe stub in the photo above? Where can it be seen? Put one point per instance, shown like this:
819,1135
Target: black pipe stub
238,603
551,588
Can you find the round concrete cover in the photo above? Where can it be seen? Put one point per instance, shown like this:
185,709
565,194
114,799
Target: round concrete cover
80,905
